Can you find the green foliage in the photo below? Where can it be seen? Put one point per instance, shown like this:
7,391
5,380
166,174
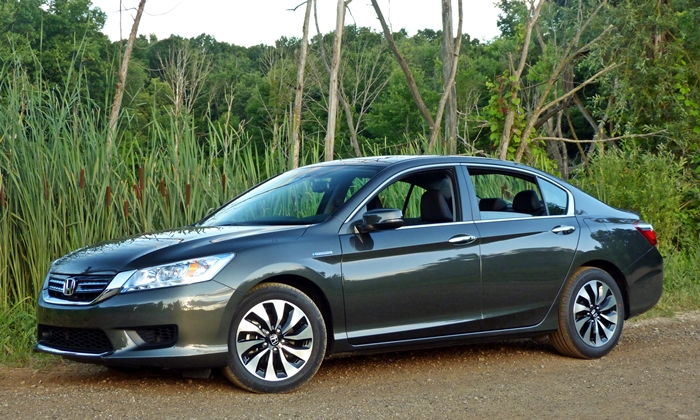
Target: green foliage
17,334
681,281
658,186
395,113
54,39
71,195
504,98
510,22
655,87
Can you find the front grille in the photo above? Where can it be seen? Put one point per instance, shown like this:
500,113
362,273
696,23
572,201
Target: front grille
87,286
159,336
79,340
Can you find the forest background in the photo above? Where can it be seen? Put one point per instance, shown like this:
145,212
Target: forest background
601,93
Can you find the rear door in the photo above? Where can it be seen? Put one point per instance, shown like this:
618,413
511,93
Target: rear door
529,235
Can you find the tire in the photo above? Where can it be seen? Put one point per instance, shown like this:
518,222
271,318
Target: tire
277,340
591,315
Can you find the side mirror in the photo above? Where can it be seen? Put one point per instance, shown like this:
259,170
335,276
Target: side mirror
380,219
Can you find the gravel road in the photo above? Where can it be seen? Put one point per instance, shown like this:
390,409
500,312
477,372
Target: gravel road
653,373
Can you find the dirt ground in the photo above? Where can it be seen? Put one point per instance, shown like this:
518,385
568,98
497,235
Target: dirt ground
654,373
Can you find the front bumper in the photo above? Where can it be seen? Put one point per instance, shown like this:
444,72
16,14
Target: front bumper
176,327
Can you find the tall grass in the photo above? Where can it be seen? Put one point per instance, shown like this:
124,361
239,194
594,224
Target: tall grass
62,190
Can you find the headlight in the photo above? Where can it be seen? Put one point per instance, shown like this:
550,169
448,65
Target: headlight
177,274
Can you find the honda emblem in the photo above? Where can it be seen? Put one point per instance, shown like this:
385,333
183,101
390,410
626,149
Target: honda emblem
69,286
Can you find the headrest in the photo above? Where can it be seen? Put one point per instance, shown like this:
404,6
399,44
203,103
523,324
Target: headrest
527,202
434,208
492,204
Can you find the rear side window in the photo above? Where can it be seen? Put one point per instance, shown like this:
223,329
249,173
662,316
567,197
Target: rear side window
555,198
503,195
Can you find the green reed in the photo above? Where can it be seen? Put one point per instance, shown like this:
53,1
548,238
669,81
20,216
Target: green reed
61,189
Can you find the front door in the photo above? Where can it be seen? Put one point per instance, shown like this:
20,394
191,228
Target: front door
420,280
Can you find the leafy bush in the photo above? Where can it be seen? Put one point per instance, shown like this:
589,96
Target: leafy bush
657,186
17,333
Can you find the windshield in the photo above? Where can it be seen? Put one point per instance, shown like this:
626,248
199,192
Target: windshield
298,197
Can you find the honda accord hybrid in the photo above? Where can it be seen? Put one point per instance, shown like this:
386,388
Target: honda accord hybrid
354,256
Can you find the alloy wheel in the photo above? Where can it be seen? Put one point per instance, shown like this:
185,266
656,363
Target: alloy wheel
274,340
595,313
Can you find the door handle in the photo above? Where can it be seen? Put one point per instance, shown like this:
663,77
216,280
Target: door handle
564,229
462,239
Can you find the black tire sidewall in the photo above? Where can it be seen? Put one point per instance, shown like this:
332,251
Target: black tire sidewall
297,298
579,281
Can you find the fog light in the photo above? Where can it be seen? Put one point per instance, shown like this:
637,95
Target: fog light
45,334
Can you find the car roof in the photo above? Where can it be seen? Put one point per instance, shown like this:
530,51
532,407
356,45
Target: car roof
391,160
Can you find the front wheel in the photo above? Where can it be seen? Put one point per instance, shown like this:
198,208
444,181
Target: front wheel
277,340
591,315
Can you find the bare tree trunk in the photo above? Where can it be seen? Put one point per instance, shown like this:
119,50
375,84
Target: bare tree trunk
296,113
435,132
404,67
533,15
433,124
448,59
119,93
341,96
333,90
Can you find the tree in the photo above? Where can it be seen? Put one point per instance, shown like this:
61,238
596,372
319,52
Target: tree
515,78
333,89
119,92
448,62
565,39
296,114
654,92
58,42
365,73
433,124
571,53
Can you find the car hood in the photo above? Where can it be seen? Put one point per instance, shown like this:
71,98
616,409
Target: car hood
164,247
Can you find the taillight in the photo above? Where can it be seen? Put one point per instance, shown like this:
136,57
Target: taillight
647,230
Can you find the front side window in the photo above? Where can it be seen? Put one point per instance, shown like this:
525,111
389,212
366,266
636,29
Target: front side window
423,197
298,197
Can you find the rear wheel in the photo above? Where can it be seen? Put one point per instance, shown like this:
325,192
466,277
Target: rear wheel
277,340
591,315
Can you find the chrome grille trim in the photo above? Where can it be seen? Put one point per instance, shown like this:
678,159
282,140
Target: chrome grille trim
107,286
86,286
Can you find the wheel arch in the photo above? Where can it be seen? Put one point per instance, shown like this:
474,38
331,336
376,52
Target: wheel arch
310,289
617,275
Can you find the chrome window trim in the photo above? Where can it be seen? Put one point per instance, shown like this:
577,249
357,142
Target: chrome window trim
570,204
507,219
427,225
